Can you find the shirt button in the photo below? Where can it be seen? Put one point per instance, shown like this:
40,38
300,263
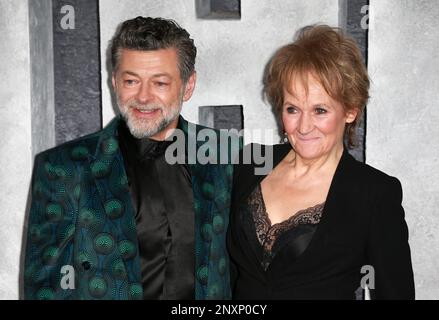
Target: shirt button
86,265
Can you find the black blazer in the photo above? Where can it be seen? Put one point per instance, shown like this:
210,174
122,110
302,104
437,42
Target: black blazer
362,225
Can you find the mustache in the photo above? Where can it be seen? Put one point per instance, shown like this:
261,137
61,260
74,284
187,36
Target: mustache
143,107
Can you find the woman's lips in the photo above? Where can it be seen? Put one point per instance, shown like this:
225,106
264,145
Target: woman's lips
307,139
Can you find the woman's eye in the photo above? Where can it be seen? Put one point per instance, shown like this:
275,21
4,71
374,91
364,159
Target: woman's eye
291,109
320,110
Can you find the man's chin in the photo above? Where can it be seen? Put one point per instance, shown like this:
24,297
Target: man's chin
142,130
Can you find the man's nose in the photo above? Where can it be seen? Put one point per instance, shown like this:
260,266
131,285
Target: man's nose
144,95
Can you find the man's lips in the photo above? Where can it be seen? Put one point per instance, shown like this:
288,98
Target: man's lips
145,112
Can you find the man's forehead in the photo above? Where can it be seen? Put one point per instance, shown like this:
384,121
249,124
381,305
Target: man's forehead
166,52
163,62
156,75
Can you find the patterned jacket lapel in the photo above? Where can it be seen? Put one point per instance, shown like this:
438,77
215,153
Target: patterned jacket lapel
211,185
113,240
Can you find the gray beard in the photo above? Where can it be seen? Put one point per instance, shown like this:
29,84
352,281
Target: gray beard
141,133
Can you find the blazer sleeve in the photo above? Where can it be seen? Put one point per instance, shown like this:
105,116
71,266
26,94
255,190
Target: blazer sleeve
388,248
48,236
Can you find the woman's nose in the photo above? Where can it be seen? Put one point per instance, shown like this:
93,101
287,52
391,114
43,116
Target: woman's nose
305,124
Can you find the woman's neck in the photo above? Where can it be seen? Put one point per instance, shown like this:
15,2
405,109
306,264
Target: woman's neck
304,167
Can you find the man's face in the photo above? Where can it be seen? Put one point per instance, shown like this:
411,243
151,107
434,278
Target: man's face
150,91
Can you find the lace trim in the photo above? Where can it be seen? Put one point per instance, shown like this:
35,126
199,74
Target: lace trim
267,233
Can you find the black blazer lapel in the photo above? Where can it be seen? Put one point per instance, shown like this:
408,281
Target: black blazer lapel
335,201
245,181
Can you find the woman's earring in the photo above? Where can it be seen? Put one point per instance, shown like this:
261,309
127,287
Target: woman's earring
285,139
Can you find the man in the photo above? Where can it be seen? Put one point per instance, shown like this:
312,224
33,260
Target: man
111,218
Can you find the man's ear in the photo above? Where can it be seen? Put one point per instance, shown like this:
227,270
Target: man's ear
113,80
190,86
351,115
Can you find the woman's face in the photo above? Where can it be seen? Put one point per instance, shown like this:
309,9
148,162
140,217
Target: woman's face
314,122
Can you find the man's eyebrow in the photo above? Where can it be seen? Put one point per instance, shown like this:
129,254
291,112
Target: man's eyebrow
130,73
164,74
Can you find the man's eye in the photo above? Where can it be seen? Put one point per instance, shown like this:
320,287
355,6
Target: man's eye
130,82
162,84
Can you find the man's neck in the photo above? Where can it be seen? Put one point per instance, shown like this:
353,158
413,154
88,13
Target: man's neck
162,135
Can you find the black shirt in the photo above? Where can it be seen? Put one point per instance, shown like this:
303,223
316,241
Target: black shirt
163,205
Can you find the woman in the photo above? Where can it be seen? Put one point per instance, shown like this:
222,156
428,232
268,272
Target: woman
320,225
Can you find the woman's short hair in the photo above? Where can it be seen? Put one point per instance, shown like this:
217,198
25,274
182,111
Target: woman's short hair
330,56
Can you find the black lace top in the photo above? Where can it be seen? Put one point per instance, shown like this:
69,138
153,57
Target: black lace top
268,234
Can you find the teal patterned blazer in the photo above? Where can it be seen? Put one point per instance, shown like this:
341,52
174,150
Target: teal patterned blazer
81,216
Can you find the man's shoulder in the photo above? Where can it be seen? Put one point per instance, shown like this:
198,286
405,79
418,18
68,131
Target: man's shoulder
225,141
187,127
86,145
76,149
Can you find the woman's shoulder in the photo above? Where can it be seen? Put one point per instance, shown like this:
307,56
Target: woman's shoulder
255,162
371,175
256,154
260,159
